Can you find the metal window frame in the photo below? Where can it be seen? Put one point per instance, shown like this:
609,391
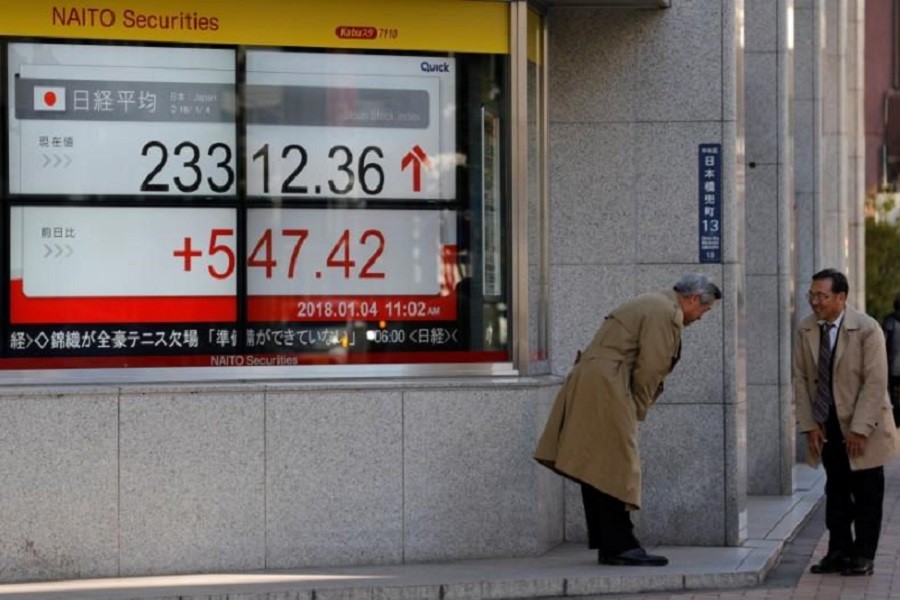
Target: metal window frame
521,309
519,365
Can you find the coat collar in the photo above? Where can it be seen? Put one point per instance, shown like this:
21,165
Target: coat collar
678,316
810,327
851,321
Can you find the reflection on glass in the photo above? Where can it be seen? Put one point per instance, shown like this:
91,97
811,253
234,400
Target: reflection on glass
362,219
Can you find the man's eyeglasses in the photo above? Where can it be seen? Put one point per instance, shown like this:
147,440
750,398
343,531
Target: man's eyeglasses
817,296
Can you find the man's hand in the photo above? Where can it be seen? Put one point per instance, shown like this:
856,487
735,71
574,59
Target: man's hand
815,439
856,444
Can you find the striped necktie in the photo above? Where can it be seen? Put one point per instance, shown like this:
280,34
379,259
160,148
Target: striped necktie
823,399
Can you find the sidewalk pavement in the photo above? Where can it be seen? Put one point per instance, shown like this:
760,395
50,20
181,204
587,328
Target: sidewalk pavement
803,585
567,570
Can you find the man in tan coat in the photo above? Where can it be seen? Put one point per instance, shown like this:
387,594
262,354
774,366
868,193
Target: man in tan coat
591,434
842,404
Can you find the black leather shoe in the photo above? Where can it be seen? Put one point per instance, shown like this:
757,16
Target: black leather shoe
833,562
636,557
859,565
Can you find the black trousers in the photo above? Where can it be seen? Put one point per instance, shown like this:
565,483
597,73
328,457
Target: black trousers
609,525
853,499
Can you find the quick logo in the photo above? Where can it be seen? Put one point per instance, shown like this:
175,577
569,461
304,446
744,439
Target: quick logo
428,67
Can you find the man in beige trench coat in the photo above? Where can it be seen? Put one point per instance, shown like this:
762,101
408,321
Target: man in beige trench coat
591,434
842,404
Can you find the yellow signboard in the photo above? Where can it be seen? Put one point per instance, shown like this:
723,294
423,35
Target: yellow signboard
480,26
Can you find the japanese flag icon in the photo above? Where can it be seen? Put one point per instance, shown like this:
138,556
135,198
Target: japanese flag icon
49,98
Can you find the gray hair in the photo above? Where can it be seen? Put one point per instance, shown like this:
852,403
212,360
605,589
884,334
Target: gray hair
694,284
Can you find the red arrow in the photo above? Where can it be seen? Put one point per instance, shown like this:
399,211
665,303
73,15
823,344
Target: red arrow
417,157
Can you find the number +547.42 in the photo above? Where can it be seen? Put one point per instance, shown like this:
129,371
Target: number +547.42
370,244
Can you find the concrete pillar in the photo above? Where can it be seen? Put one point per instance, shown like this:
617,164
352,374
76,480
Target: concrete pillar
632,96
769,258
808,17
833,214
856,131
